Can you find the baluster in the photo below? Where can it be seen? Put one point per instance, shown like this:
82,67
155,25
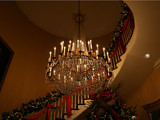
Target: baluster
43,116
88,95
82,96
120,50
124,38
63,108
127,34
112,63
50,114
74,107
76,100
65,105
53,113
130,30
115,57
79,97
56,110
60,109
85,93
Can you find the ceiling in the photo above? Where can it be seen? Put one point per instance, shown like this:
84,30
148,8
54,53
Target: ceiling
56,17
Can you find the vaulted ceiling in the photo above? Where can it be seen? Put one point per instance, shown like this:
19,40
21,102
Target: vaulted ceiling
57,17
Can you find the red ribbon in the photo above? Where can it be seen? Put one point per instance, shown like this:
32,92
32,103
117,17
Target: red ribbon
47,115
115,49
37,115
125,24
69,105
51,106
115,114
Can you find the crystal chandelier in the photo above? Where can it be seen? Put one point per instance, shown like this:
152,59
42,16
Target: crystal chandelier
78,66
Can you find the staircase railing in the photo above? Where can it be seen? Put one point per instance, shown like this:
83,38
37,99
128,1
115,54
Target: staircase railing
123,39
54,112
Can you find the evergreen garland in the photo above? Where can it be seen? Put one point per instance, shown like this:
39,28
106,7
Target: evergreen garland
107,106
35,105
117,31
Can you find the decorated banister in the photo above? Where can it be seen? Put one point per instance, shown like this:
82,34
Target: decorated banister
121,36
61,107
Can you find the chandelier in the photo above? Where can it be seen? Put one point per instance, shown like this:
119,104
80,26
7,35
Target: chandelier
78,66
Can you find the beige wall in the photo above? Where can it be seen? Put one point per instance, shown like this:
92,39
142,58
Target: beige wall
148,92
25,77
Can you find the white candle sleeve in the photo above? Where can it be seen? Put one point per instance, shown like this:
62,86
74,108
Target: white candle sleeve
54,51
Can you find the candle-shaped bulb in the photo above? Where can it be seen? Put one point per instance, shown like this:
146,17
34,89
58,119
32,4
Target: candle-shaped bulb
73,46
85,66
92,77
77,43
104,52
77,68
85,79
61,46
54,72
69,47
109,59
54,51
103,74
50,53
64,52
88,43
79,83
50,72
96,54
91,44
50,56
108,71
80,45
98,76
70,43
59,76
71,79
97,46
